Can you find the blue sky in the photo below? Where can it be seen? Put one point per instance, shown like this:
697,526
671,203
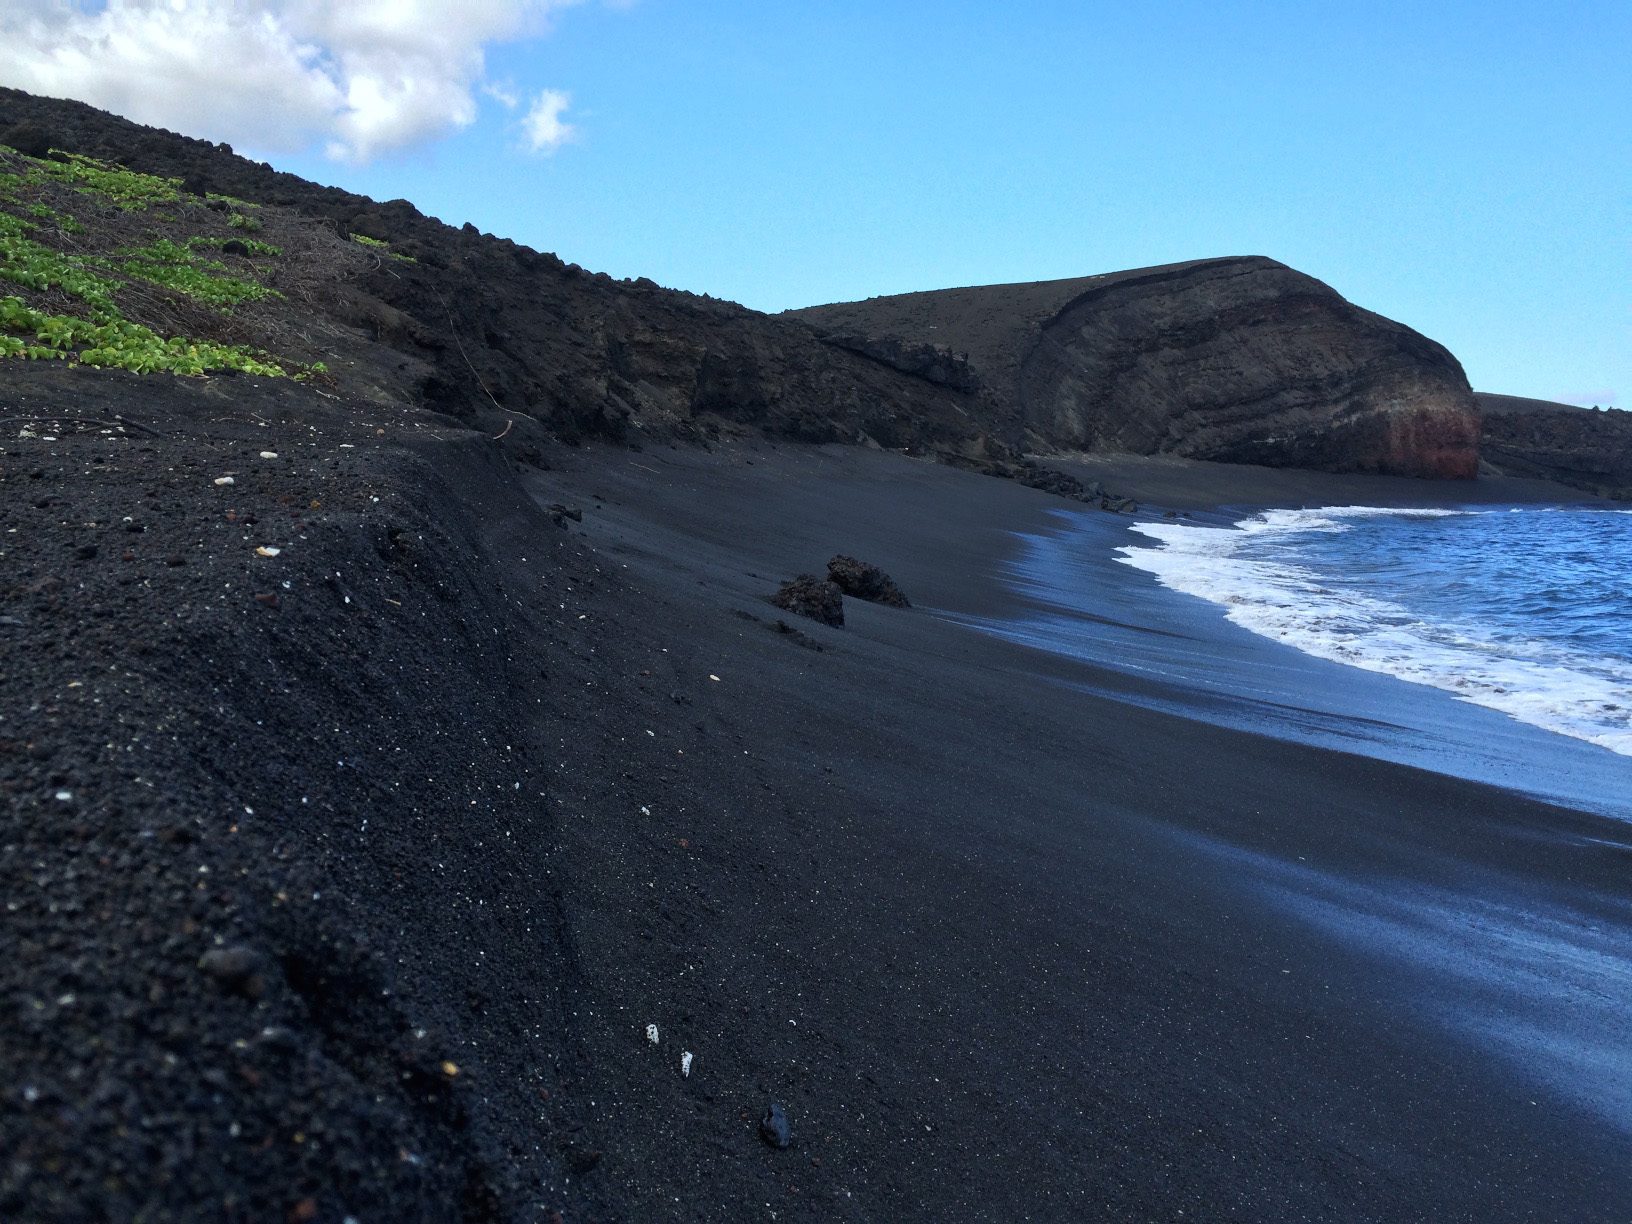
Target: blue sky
1464,168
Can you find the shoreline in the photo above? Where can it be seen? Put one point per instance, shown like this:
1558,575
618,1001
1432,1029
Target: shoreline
1395,874
1182,653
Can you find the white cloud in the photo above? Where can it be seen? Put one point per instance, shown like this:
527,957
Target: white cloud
364,76
542,124
504,93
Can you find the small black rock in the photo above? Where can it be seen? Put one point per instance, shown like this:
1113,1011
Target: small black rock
280,1039
582,1159
865,581
233,247
232,967
809,596
773,1127
85,552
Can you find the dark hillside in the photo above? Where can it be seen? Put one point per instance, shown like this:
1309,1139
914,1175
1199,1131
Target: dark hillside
490,325
1239,360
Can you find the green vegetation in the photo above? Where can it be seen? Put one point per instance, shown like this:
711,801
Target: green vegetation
91,328
174,266
36,266
119,344
377,245
125,188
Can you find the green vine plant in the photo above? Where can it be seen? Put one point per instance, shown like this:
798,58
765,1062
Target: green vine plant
76,313
120,344
375,244
125,188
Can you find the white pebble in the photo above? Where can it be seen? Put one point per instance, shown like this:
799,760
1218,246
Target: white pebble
269,454
651,1033
685,1064
225,480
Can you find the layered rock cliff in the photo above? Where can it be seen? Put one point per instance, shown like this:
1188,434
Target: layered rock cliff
1240,360
1584,448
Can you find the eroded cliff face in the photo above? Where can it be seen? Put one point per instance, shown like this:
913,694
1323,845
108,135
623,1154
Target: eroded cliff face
1248,361
1580,447
1237,360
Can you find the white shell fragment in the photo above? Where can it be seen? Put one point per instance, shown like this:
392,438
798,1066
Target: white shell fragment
685,1064
651,1033
269,454
268,552
225,480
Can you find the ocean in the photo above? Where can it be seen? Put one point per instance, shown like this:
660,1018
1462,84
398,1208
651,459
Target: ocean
1488,643
1524,609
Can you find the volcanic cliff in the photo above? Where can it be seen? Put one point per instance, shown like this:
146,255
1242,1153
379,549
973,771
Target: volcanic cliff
1239,360
1580,447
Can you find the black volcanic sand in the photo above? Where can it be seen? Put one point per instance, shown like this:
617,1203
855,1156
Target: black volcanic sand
1016,992
478,798
1167,482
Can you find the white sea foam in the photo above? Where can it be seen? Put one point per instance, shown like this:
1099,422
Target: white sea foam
1537,682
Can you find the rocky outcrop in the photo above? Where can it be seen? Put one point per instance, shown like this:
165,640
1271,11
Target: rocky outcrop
1240,360
812,597
1585,448
863,580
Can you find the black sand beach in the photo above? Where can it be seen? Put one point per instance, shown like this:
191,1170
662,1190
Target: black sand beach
411,854
1031,978
415,809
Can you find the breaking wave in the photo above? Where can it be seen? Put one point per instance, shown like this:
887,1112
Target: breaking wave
1525,610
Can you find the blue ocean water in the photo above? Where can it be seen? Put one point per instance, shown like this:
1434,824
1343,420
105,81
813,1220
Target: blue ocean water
1526,610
